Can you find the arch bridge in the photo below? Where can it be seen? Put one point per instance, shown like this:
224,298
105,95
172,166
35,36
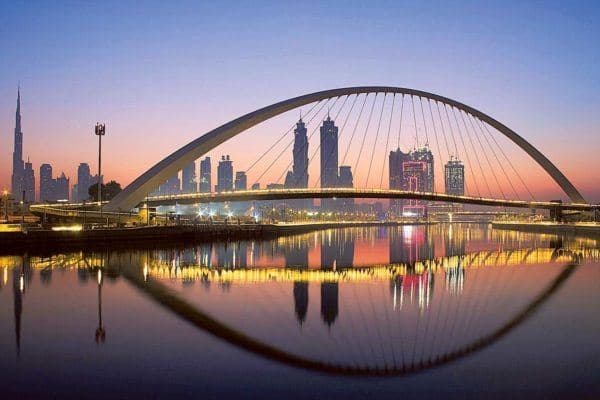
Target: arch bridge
480,132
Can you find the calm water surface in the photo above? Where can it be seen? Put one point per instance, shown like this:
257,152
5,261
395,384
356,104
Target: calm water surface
400,312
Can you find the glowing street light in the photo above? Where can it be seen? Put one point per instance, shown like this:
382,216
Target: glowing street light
100,130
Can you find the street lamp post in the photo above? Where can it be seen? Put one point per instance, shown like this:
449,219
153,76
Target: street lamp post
6,205
100,131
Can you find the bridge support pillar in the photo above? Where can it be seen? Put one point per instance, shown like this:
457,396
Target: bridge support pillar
556,213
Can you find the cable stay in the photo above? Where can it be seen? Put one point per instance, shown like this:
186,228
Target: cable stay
375,142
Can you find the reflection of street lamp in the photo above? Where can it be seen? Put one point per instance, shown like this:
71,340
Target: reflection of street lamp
100,131
100,332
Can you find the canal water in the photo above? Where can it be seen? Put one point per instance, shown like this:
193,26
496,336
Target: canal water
452,311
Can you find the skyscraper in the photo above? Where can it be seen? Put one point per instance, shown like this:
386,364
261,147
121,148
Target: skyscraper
84,181
171,186
18,170
397,159
188,179
454,177
329,154
297,178
423,154
225,175
299,175
46,183
411,171
346,180
241,180
329,159
62,187
29,183
205,175
414,174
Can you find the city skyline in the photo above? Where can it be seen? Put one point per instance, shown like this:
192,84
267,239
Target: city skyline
128,120
318,199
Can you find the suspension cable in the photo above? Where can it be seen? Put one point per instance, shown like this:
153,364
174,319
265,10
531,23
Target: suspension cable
341,132
376,137
354,130
474,150
400,126
424,124
365,134
280,139
310,137
478,124
290,143
436,141
450,127
412,100
466,183
464,148
387,141
509,162
435,130
486,157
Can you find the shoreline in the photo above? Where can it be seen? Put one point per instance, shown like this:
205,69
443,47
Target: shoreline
45,240
581,229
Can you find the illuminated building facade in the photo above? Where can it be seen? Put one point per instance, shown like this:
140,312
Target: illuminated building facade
188,179
454,177
225,175
205,175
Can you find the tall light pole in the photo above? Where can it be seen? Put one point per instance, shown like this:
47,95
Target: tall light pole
6,205
100,131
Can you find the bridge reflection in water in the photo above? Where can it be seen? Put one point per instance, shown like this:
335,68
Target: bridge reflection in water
352,301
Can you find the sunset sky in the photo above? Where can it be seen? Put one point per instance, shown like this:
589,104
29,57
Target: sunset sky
160,74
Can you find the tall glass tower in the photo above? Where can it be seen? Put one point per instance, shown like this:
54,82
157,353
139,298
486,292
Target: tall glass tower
300,168
329,160
454,177
205,175
18,170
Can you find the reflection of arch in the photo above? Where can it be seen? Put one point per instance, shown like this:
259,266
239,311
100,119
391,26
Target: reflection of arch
133,194
188,312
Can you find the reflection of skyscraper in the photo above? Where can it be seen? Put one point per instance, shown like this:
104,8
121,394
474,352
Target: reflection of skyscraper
329,159
454,242
296,256
301,300
19,277
240,254
337,249
224,255
205,175
409,244
205,255
329,302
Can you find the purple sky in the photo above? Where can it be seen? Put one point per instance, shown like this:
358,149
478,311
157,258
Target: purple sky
162,74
